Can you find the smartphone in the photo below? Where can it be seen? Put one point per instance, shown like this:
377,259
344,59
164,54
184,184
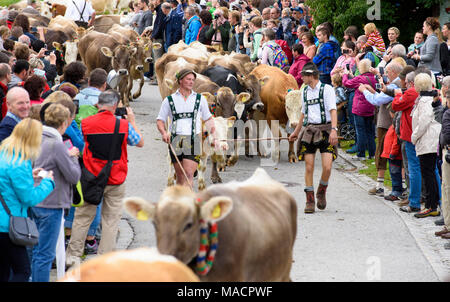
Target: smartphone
43,174
348,67
121,111
68,144
381,70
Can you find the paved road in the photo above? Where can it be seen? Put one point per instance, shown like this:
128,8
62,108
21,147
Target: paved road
357,238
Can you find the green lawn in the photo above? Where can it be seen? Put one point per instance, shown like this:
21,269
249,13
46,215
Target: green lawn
8,2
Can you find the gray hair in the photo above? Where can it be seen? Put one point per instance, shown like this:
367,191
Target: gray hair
422,82
5,69
109,97
446,81
269,33
166,5
190,10
398,50
410,77
395,67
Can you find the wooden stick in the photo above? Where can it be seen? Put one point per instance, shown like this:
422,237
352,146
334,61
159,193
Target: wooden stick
182,169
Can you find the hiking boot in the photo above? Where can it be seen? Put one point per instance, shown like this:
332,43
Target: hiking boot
439,222
409,209
441,232
310,202
426,213
91,248
376,191
321,197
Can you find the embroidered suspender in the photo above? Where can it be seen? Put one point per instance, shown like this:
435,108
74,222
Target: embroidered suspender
191,115
319,101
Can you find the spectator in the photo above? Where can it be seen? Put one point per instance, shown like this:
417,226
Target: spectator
365,53
308,43
297,14
300,59
12,14
81,12
21,51
219,31
286,26
445,50
22,21
8,45
193,25
49,61
134,22
265,14
374,40
425,137
25,40
398,51
393,35
236,42
254,28
174,24
19,192
300,31
18,104
339,90
103,122
56,157
146,19
415,47
351,33
347,58
206,20
363,110
429,53
269,47
159,27
32,8
325,59
275,13
20,73
330,27
5,77
16,32
35,86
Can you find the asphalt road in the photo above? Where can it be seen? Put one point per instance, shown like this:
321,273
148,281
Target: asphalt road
357,238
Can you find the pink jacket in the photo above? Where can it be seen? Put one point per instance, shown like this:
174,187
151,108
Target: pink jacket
296,68
360,105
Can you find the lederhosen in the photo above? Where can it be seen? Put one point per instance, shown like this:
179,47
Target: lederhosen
323,145
185,146
81,22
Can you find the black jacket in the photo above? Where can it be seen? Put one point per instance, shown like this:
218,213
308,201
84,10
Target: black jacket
160,24
445,58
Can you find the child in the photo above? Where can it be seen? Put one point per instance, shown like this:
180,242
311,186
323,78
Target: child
392,151
287,25
341,97
374,39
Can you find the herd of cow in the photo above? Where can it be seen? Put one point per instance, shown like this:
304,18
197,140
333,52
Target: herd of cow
257,218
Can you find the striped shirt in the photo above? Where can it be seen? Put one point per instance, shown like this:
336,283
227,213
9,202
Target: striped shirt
374,39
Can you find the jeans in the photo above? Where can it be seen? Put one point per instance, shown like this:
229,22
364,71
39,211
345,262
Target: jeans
415,177
48,222
395,169
94,225
14,261
365,131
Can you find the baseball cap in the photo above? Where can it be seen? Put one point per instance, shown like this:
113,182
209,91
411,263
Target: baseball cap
297,9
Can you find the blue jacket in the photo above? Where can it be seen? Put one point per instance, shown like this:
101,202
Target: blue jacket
174,26
192,28
88,96
18,190
6,127
325,59
75,135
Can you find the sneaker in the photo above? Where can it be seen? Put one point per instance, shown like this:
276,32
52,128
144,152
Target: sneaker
91,249
409,209
352,150
439,222
378,192
391,197
403,203
426,213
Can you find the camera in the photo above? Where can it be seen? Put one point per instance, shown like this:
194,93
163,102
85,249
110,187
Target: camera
121,111
348,67
377,86
346,51
432,93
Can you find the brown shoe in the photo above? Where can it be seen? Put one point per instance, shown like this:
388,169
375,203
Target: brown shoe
442,232
403,203
446,235
310,202
321,197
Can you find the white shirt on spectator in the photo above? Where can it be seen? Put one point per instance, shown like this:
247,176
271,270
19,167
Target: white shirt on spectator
184,126
329,96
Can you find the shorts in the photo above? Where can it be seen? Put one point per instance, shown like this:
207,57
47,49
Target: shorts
183,149
323,146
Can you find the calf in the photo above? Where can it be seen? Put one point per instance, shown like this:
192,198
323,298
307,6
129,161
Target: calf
256,228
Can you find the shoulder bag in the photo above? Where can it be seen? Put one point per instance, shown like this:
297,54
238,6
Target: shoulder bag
22,230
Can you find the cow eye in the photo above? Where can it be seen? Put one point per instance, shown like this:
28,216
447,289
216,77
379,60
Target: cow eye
249,91
187,227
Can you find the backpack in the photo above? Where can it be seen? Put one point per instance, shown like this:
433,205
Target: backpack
285,47
280,59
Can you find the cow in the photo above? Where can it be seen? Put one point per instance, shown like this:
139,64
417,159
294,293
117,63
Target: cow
293,109
273,95
98,50
256,227
58,10
239,63
122,34
137,265
67,26
104,22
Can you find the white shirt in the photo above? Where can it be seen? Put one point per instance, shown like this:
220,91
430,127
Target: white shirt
184,126
73,14
329,97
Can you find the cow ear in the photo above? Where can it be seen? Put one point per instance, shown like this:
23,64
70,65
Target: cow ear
264,80
139,208
230,121
57,46
243,97
133,51
216,209
106,51
157,45
169,83
210,99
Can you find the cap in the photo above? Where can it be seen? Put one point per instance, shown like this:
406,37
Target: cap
297,9
184,72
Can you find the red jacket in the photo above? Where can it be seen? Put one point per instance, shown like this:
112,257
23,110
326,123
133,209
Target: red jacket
391,147
296,68
405,103
97,131
3,93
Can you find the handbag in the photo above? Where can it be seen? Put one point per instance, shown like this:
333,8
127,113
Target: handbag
22,230
92,186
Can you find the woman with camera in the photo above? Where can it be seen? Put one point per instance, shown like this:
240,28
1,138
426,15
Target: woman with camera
19,193
219,31
347,60
425,137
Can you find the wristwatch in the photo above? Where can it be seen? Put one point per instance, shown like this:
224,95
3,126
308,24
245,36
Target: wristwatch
334,128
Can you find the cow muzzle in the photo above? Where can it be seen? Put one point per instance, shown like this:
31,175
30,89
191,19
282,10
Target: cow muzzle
258,106
140,67
148,60
123,72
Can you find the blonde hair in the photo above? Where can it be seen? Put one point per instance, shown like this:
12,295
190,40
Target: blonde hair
24,143
35,62
4,31
364,66
370,28
400,61
422,82
56,115
286,12
395,30
57,96
336,79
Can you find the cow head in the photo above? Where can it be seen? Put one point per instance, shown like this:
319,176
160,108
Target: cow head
176,218
69,50
253,86
222,125
293,107
226,100
120,57
241,100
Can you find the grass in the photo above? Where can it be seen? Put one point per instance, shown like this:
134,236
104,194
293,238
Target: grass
8,2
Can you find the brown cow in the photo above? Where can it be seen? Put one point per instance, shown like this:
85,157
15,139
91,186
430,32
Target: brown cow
257,227
273,95
58,10
105,22
65,25
138,265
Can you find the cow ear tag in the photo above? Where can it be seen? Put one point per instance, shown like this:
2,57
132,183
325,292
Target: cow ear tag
244,99
142,215
216,212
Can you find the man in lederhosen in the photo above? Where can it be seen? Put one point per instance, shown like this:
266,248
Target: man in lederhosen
186,109
317,130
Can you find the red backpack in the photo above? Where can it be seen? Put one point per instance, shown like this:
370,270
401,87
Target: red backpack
285,47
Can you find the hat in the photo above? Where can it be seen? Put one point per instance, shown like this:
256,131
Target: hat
235,5
310,69
297,9
184,72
